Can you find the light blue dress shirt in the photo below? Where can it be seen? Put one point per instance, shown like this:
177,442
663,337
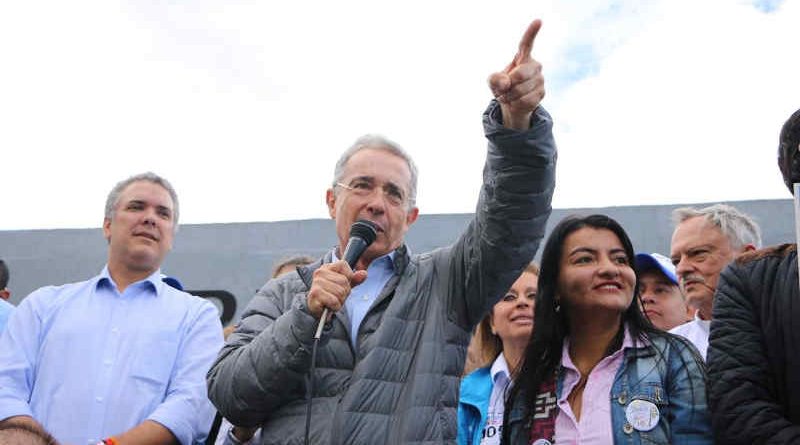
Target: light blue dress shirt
362,296
6,309
88,362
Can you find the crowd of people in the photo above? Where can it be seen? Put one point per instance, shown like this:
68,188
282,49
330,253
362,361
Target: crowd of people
471,343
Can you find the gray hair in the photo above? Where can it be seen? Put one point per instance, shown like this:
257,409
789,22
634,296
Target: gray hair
738,227
380,143
114,195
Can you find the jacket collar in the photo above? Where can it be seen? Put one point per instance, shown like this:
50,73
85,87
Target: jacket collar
401,260
476,389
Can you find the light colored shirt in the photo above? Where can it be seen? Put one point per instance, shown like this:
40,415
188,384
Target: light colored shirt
88,362
225,432
696,331
594,426
361,297
6,309
501,383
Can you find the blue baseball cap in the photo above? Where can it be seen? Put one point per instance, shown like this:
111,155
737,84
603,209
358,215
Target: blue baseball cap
650,261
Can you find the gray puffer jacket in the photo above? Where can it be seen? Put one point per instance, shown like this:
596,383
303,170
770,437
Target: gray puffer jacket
400,386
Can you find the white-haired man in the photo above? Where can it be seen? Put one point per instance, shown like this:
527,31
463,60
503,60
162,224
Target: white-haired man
121,358
704,242
390,361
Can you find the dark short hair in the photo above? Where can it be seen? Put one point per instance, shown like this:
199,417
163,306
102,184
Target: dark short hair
788,145
18,433
3,275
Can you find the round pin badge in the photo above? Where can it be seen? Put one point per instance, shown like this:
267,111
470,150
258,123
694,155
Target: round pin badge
542,442
642,414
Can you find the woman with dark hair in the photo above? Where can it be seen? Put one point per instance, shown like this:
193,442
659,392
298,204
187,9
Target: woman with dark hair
499,340
595,370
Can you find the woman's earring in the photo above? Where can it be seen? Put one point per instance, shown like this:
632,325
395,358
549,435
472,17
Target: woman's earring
558,307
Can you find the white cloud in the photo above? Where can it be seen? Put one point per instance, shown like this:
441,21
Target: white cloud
688,111
245,107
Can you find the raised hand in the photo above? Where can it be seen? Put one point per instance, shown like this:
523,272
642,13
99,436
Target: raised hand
520,86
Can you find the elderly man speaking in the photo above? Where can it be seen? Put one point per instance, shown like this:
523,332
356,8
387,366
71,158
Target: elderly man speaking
390,358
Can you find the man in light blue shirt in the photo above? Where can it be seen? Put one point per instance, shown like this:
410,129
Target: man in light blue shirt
120,358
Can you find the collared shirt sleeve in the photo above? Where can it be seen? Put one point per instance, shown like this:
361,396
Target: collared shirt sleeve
19,344
186,410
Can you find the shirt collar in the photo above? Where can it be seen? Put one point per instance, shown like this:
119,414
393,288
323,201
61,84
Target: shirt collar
499,369
627,343
703,324
386,261
152,282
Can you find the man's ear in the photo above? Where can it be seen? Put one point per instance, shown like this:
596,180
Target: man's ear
107,229
5,294
330,200
412,216
749,248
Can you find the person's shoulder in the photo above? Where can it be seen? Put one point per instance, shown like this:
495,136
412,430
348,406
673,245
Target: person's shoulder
57,294
476,386
761,270
190,303
478,373
439,253
771,253
678,345
284,285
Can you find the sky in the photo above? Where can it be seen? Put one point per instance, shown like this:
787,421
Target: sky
245,105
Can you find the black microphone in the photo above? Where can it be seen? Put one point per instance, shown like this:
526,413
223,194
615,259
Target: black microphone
362,234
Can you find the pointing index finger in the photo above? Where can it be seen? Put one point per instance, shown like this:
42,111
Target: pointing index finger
526,44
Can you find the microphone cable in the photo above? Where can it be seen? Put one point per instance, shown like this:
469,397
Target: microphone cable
362,234
310,385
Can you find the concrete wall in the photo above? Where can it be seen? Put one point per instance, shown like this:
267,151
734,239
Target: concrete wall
238,257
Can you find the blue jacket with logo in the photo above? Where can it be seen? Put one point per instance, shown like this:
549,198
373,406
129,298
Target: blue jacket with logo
665,373
473,403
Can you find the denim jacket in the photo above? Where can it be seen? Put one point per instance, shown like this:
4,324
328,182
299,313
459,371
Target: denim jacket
662,372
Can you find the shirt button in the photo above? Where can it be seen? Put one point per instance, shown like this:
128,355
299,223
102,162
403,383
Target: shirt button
107,362
622,399
627,428
115,330
99,399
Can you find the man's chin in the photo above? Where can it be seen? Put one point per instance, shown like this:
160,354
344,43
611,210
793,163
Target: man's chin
695,302
378,249
143,262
